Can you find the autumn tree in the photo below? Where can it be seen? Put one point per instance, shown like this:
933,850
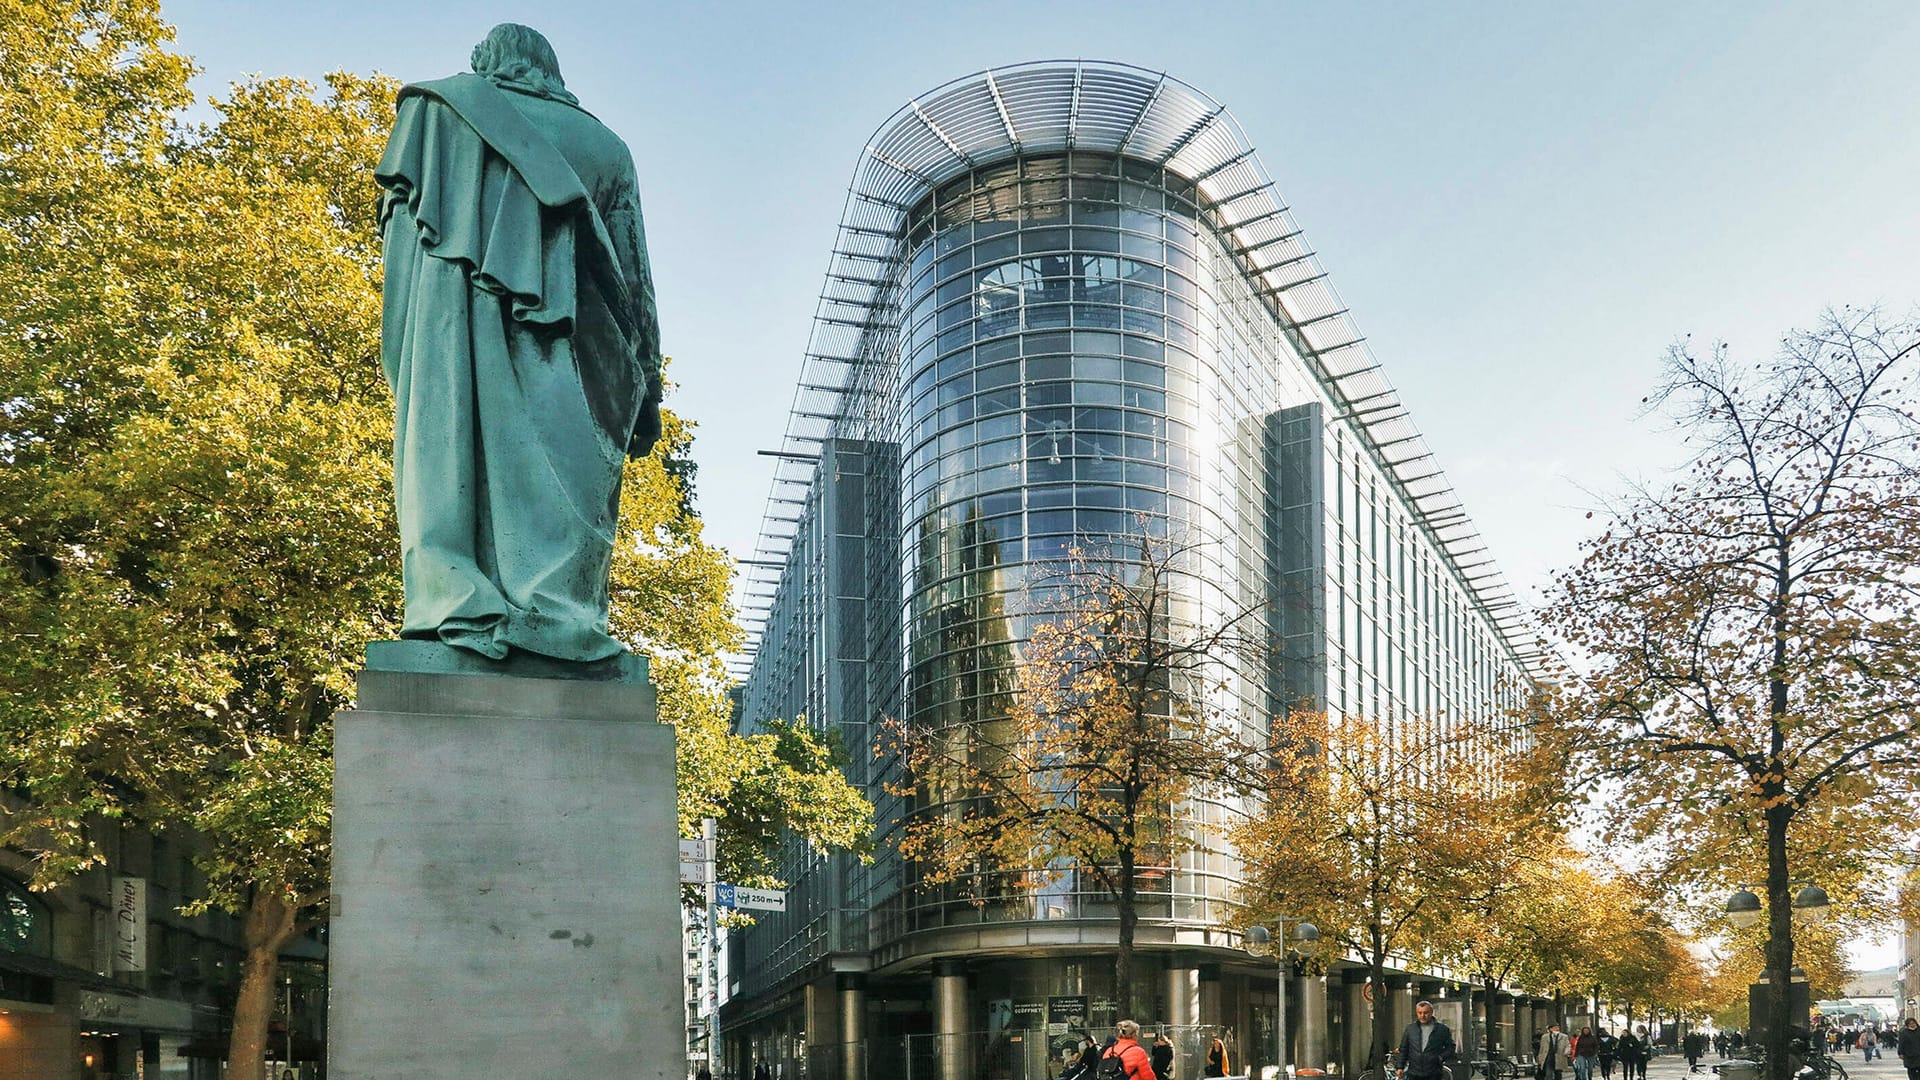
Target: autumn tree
1364,830
671,601
1746,639
1519,909
1117,728
196,527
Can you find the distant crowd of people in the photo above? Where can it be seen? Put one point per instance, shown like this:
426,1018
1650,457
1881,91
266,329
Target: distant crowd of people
1427,1048
1593,1049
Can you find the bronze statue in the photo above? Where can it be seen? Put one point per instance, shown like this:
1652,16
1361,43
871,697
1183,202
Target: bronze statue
520,338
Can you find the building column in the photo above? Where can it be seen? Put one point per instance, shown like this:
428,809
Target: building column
951,1037
1183,996
1402,1013
1359,1033
1311,1043
1183,1012
853,1028
1212,1000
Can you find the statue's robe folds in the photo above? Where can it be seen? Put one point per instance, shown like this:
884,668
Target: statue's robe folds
520,339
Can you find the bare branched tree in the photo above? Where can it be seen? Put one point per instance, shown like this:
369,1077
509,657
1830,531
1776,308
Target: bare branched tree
1748,637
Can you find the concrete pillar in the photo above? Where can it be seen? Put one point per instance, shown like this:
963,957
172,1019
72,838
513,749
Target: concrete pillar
481,925
1212,1001
1183,1012
950,1025
853,1028
1310,1044
819,1035
1183,997
1353,1056
1403,998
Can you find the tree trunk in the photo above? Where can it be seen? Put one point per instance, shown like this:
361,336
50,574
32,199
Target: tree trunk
268,925
1493,990
1779,973
1123,953
1382,1001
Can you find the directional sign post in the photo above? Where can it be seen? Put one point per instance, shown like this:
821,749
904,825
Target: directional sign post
694,856
735,896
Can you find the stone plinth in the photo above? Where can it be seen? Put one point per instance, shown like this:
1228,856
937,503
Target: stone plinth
505,873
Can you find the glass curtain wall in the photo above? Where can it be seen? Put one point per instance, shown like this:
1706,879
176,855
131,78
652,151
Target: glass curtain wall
1075,369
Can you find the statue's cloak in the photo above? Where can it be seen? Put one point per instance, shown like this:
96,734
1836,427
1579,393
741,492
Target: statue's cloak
519,337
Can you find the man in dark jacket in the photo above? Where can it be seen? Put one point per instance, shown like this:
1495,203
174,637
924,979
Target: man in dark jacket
1909,1047
1426,1046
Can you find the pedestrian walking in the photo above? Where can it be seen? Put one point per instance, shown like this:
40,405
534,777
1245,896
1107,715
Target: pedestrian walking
1426,1047
1629,1051
1129,1059
1085,1063
1216,1056
1694,1046
1556,1053
1909,1047
1586,1053
1162,1056
1609,1050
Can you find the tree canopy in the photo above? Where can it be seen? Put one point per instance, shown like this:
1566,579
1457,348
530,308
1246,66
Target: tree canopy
1745,685
1368,829
196,529
1092,772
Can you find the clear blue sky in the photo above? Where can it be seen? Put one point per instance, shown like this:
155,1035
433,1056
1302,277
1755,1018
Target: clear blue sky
1523,203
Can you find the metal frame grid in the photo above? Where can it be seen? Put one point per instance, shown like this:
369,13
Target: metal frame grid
1053,105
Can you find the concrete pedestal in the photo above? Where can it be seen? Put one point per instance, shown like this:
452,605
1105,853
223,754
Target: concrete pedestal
506,898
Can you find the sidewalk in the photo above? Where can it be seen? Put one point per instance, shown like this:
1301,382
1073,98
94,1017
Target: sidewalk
1674,1067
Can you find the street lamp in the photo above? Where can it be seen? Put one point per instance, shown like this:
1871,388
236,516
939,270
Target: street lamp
1810,905
1306,934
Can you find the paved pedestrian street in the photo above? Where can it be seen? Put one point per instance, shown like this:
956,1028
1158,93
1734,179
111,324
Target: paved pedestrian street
1674,1067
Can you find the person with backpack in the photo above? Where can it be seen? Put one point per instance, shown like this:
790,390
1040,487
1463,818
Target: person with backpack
1126,1059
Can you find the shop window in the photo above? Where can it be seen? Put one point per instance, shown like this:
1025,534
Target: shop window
25,923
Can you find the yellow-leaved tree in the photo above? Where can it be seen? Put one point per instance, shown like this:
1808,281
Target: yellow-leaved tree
1086,772
1369,829
196,523
1745,684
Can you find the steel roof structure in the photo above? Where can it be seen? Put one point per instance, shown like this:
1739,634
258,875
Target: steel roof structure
1049,106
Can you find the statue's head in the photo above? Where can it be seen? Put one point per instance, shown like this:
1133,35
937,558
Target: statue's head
520,56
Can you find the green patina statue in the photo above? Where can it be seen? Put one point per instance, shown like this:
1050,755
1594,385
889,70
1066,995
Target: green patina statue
520,338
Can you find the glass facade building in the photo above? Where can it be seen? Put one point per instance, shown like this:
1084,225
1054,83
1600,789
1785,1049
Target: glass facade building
1067,304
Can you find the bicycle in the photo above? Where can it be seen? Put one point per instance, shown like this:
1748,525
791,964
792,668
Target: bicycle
1375,1072
1822,1066
1496,1067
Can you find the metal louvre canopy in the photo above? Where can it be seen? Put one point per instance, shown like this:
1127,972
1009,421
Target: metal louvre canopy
1055,105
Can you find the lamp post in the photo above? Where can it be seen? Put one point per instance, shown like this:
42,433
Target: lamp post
1810,905
1306,934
